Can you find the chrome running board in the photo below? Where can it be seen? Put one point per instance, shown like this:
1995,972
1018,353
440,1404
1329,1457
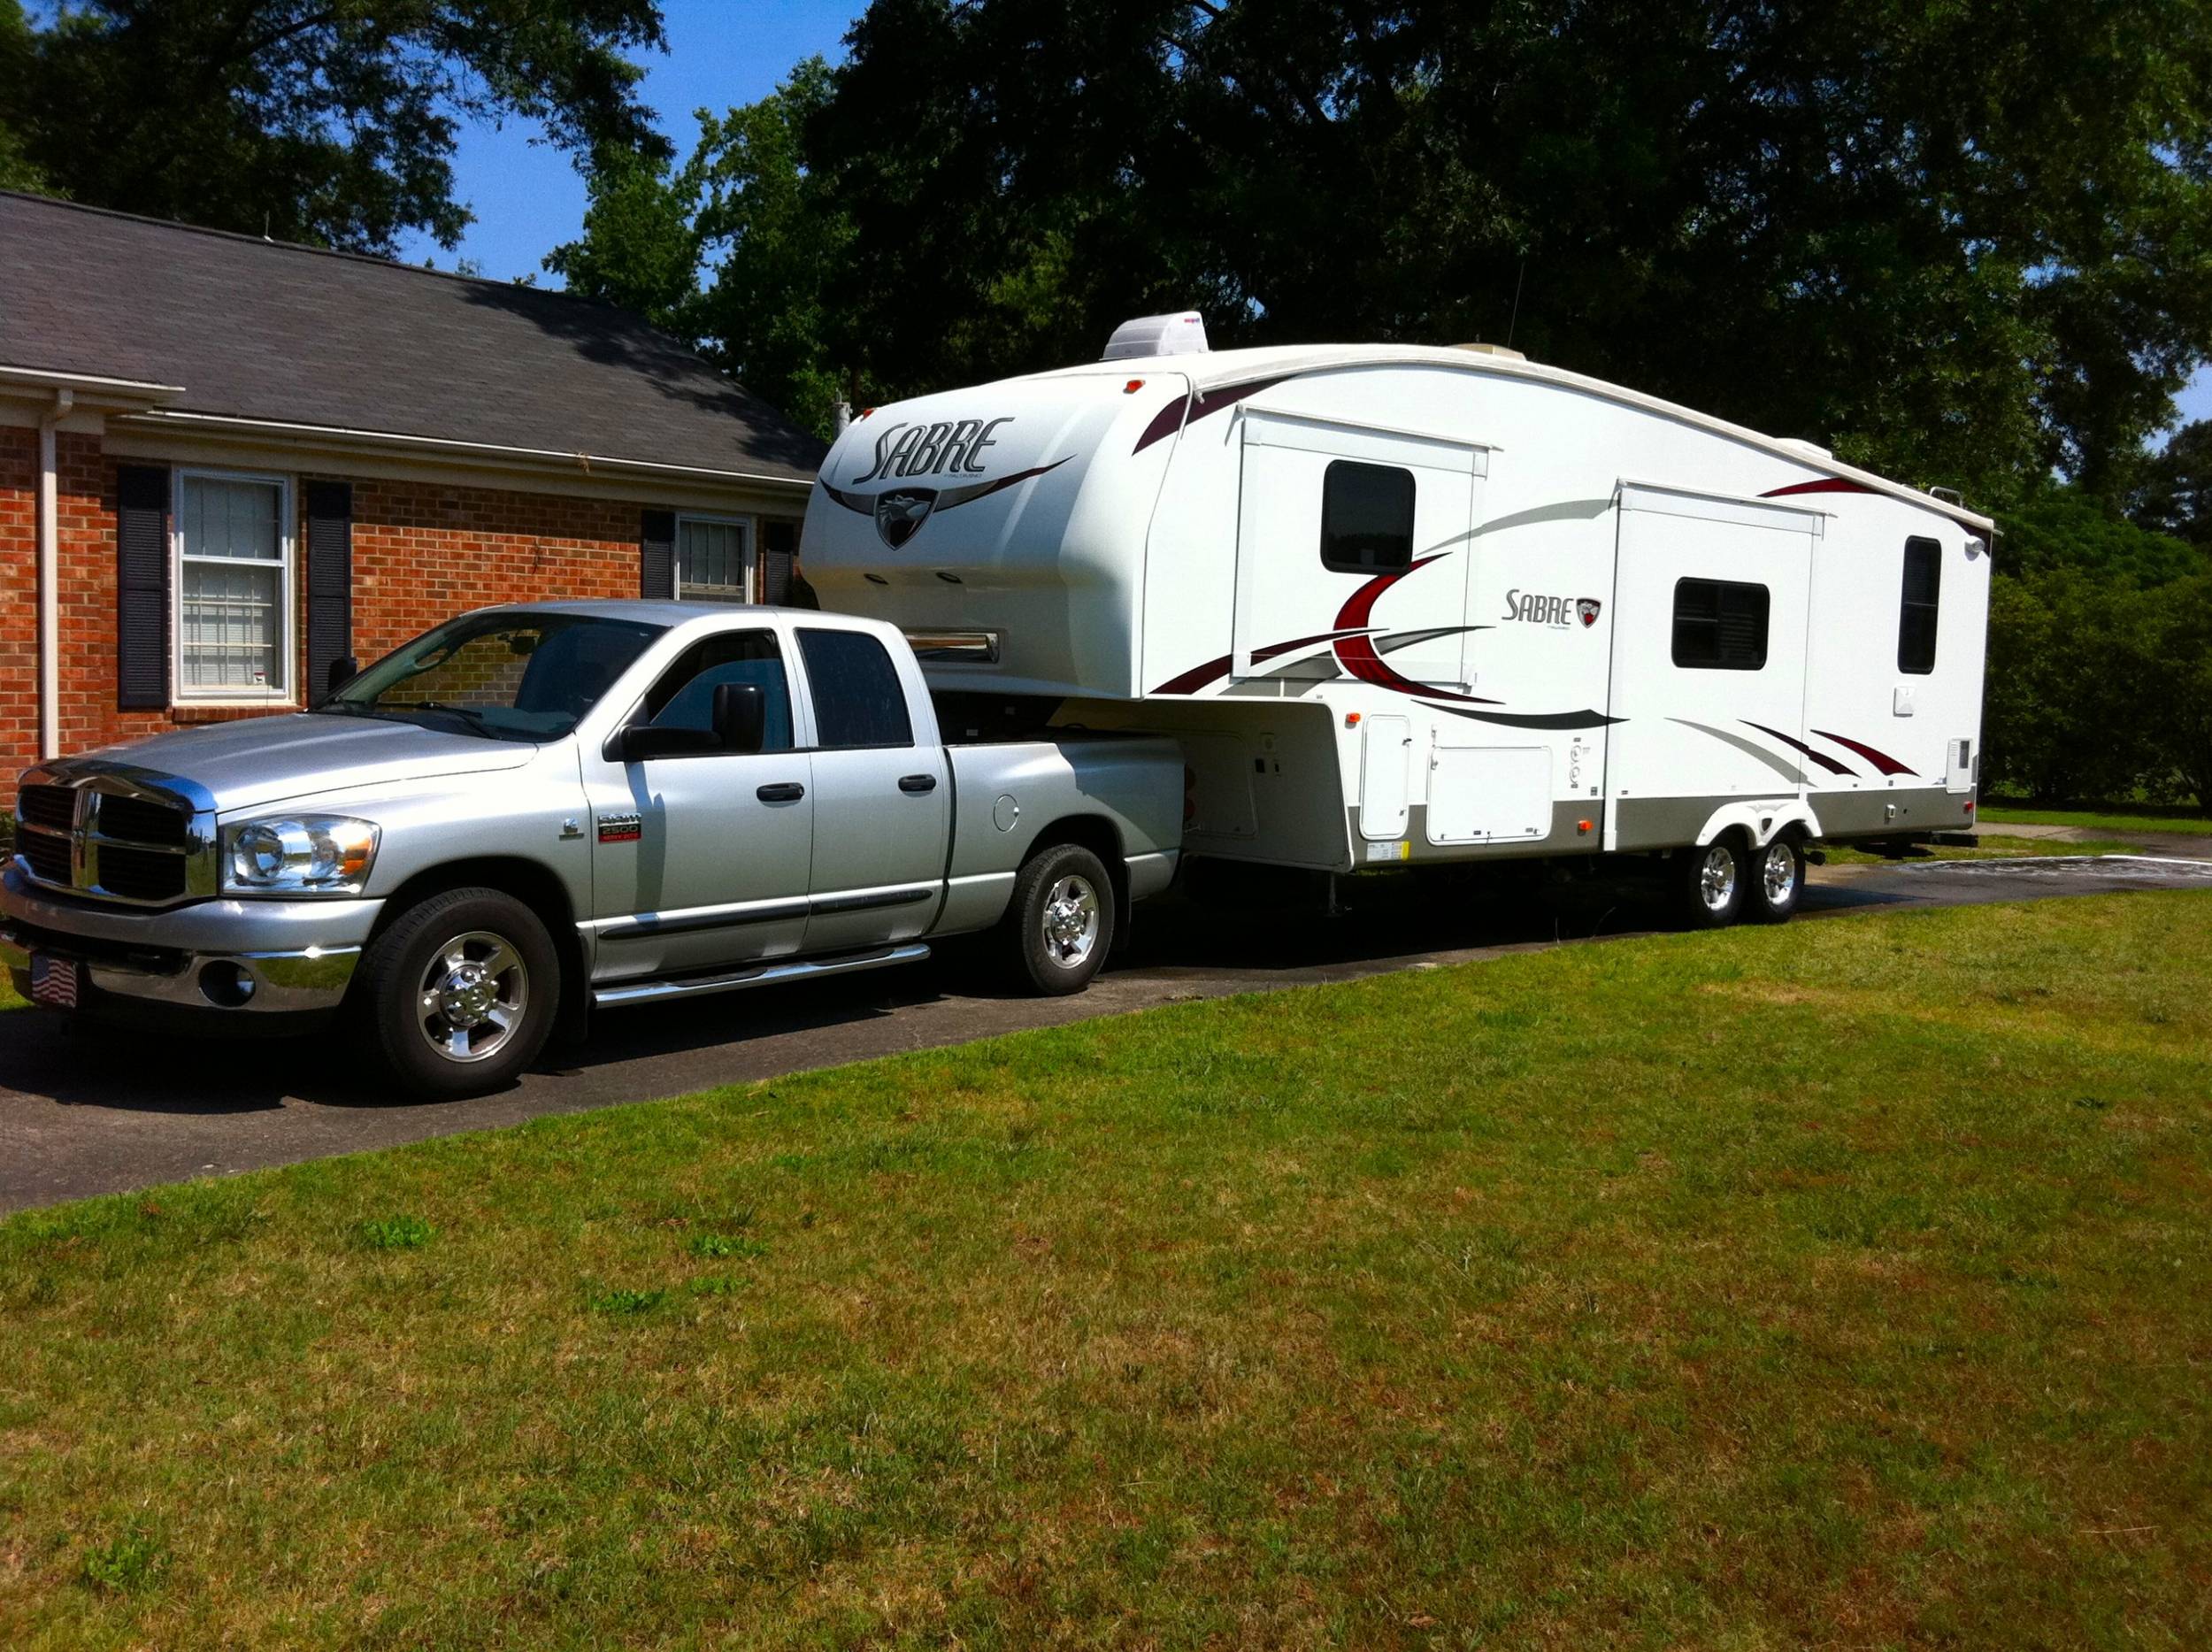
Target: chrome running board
758,975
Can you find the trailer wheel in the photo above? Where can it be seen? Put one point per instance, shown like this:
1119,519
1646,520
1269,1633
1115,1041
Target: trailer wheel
1060,924
459,995
1779,880
1713,884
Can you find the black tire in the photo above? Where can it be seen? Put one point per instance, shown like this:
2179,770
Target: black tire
1712,885
1778,880
516,968
1059,927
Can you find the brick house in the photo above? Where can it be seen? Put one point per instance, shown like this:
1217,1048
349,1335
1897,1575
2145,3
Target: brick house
225,463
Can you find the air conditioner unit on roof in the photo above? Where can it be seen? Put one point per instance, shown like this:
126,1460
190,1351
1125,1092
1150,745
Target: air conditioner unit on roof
1182,333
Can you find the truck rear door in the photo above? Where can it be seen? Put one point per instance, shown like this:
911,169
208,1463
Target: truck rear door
881,788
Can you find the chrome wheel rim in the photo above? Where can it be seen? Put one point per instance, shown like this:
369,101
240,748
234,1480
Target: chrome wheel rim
1070,921
1780,872
1716,878
472,998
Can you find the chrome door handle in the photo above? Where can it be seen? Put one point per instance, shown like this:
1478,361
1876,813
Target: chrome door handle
787,792
918,783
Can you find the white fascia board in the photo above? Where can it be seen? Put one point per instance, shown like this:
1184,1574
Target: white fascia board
485,453
93,392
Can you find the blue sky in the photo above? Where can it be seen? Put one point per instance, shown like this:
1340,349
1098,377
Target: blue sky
528,199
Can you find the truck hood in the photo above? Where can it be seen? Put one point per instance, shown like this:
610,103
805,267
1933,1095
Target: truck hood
267,759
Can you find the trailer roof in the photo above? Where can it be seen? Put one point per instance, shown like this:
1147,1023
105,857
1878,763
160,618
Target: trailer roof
1216,370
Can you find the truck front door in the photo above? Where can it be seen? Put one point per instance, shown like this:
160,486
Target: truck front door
881,798
702,859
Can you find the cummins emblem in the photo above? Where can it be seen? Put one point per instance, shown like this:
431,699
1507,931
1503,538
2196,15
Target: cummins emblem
1587,610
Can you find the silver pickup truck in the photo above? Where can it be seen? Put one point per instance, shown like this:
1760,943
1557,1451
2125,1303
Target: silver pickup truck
532,812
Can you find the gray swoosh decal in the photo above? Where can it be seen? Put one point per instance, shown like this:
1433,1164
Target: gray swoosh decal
1788,771
1564,510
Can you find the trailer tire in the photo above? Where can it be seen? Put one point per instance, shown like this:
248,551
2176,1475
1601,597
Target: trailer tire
458,996
1712,884
1777,880
1060,924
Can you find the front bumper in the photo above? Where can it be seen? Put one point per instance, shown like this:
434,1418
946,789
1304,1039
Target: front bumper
223,958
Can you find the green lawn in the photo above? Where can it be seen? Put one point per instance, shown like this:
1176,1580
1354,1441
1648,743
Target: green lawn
2095,820
1846,1284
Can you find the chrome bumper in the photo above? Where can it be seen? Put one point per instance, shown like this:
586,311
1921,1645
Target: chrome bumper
224,958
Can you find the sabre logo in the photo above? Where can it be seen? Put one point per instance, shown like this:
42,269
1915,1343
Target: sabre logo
950,447
1535,608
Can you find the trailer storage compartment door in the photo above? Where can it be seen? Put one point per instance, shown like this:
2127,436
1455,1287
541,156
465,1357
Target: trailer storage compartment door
1710,602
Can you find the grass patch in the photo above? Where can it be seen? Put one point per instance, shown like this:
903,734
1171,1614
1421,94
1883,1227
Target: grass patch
396,1233
2098,819
1985,847
1843,1283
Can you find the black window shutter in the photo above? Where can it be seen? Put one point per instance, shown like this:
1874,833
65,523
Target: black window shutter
779,546
657,565
329,581
142,587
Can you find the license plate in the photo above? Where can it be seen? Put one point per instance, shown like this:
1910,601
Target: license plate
53,981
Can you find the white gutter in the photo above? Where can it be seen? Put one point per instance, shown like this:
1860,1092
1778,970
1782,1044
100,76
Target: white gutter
49,576
550,458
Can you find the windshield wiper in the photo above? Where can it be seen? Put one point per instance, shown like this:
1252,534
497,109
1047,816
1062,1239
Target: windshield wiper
475,718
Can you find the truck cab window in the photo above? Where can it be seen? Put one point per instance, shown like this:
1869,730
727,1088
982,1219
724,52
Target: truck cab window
1720,625
857,697
1918,606
1366,518
684,696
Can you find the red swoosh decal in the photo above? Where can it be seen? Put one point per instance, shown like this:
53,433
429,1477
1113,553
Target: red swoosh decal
1881,760
1827,485
1357,655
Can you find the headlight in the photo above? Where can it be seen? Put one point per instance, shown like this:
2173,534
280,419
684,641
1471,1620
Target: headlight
298,855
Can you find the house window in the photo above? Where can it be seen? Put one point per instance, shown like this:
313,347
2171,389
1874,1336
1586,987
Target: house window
234,549
1917,607
714,558
1366,518
1719,624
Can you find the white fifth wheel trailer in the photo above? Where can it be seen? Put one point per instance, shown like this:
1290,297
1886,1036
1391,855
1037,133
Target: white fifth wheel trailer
1408,605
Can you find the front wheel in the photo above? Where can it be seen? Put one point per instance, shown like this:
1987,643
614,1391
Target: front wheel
460,993
1712,885
1779,880
1060,923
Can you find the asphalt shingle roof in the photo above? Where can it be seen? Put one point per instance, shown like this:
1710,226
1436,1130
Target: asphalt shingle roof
265,330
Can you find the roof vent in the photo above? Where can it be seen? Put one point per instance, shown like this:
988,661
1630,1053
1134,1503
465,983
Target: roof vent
1182,333
1802,446
1507,351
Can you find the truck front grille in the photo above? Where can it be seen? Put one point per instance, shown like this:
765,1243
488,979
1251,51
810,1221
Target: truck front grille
115,837
54,806
46,856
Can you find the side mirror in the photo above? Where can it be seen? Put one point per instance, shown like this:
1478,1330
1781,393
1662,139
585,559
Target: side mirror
343,670
642,740
740,716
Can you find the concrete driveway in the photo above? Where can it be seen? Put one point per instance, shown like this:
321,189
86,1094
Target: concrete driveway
86,1110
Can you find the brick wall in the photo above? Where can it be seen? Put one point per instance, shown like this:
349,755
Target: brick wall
421,553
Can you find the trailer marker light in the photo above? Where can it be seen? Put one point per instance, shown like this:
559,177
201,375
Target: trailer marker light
1133,387
1351,719
1582,827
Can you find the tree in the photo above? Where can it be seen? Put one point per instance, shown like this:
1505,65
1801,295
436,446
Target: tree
330,122
733,251
2175,496
1964,244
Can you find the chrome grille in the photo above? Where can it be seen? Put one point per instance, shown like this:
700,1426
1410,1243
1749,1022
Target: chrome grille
115,833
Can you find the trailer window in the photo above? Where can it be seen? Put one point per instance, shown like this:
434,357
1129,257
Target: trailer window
1720,625
1917,607
857,698
1366,518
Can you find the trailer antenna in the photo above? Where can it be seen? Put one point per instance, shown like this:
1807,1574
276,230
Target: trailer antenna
1514,321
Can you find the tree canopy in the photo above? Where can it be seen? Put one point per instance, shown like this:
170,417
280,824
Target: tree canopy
329,121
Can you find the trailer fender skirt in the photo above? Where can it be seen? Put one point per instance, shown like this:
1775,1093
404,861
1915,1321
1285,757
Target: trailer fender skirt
1764,819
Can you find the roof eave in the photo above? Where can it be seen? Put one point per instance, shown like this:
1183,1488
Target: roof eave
91,393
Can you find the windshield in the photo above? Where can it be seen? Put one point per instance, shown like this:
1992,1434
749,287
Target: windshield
502,675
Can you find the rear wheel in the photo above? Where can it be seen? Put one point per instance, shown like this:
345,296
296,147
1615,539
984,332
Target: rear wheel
1712,892
1779,880
1060,924
460,993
